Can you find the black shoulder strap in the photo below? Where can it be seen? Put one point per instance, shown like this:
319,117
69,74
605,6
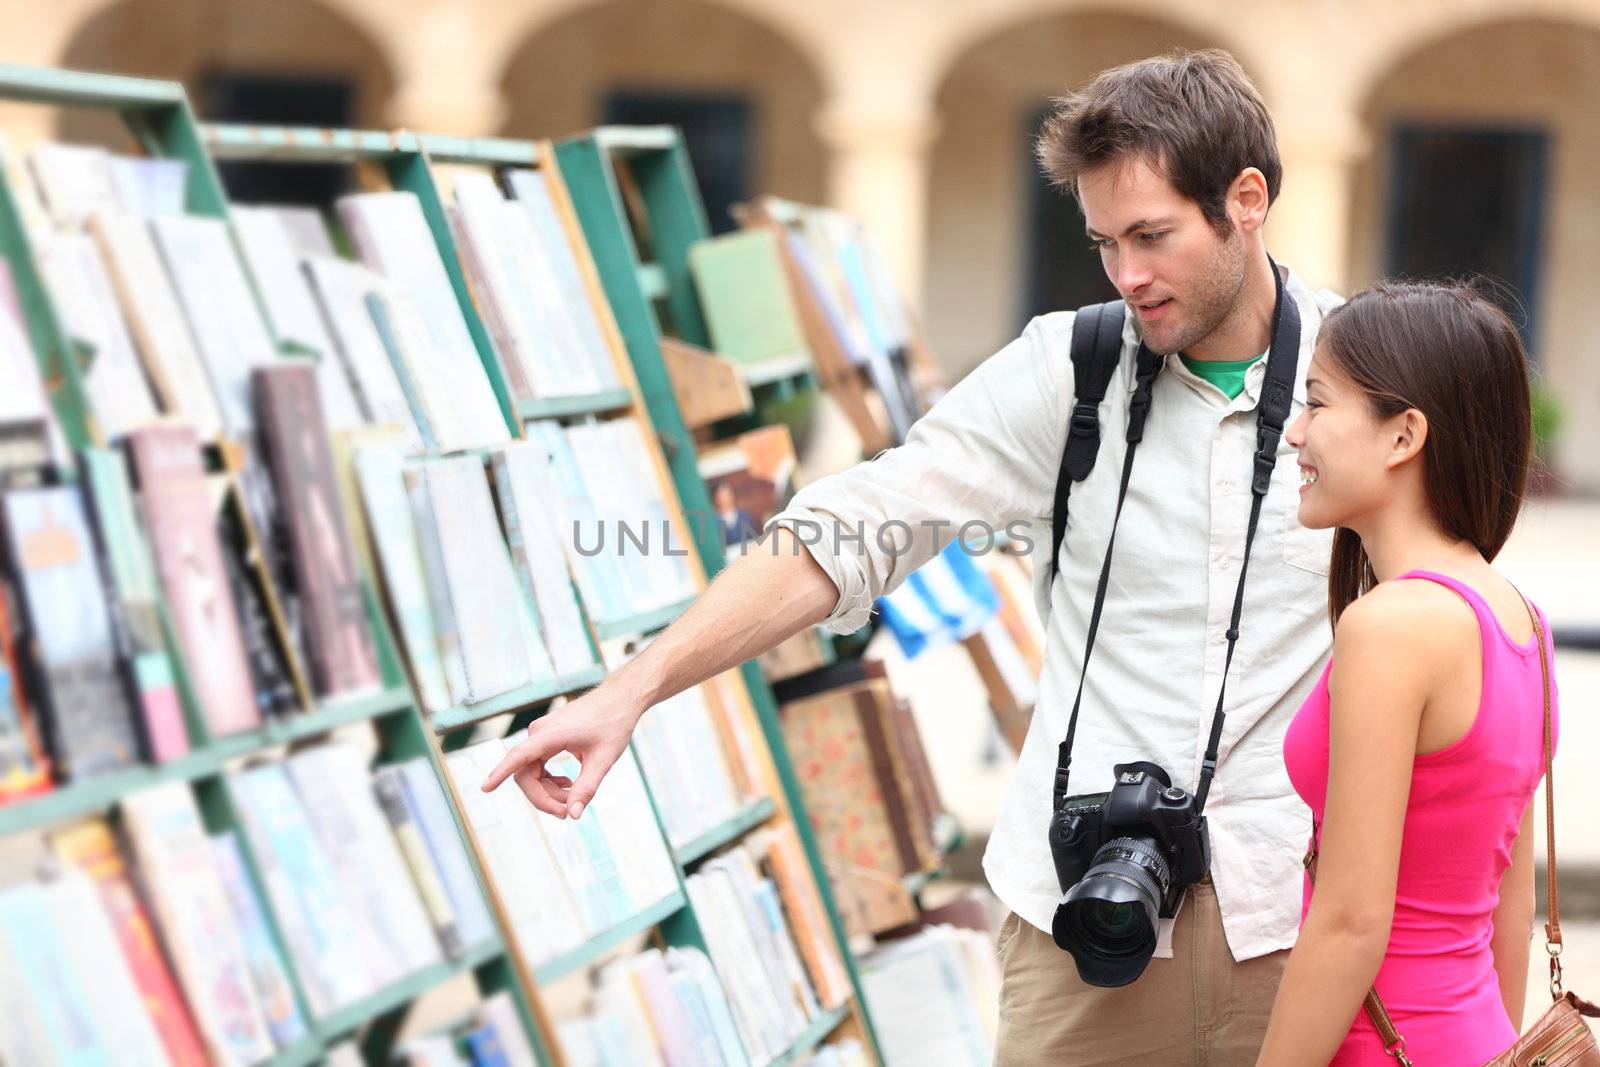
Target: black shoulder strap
1096,350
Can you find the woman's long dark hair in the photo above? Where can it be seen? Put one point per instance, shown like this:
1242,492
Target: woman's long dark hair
1449,352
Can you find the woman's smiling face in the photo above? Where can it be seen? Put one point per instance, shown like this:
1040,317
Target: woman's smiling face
1344,448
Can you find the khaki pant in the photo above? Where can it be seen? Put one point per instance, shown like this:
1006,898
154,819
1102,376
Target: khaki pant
1199,1007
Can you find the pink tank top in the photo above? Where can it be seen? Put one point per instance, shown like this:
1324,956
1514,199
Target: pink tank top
1466,805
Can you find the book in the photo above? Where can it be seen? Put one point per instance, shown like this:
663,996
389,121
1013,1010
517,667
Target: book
338,641
326,935
178,869
307,229
392,237
272,678
90,848
114,384
341,290
389,786
583,536
133,597
671,738
431,810
540,911
526,491
783,859
421,369
923,993
29,435
88,720
268,970
292,313
335,787
150,185
24,767
55,989
380,474
499,1011
74,181
533,192
749,310
166,349
182,521
224,319
481,589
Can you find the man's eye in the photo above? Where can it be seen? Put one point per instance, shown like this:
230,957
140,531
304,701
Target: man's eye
1099,245
1152,238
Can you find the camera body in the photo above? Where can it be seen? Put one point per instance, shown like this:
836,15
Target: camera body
1123,860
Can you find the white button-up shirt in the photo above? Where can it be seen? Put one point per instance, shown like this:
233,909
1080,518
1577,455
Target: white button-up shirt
988,451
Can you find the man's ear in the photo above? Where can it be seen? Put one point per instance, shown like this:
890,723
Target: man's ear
1408,433
1248,200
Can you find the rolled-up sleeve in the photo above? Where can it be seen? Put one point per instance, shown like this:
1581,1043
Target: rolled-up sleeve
986,453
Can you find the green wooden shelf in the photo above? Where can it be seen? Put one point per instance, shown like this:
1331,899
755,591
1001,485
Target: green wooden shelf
624,141
556,407
653,281
648,623
302,1053
591,950
516,700
347,1020
812,1036
753,815
76,799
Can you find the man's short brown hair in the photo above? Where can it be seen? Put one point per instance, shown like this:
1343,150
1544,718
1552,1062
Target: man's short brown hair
1193,116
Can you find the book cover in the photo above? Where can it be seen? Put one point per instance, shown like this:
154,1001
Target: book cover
307,229
90,847
166,349
135,601
183,532
223,316
56,991
89,722
24,767
483,263
29,435
341,291
436,585
431,811
271,677
583,537
500,1011
380,474
338,640
749,310
178,868
388,784
74,180
150,185
267,968
912,837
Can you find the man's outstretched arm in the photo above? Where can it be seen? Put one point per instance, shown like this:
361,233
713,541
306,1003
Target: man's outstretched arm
756,603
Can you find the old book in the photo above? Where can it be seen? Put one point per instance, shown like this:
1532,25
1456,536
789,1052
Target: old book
436,584
393,238
182,522
119,396
29,435
178,869
24,768
379,472
150,185
341,291
533,193
271,674
783,857
268,969
431,810
224,318
389,786
484,265
421,369
90,847
527,492
292,316
135,602
480,585
166,348
88,720
674,737
749,311
74,181
583,535
308,230
338,639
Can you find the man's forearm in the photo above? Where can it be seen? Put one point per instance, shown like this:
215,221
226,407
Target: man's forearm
760,600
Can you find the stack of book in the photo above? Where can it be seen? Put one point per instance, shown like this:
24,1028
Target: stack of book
565,881
870,795
933,995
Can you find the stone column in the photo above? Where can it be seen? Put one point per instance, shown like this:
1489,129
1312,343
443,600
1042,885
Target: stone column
1309,227
878,173
446,82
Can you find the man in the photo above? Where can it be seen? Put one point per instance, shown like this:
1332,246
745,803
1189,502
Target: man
1174,162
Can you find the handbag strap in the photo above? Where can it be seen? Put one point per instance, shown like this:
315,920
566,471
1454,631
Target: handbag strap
1393,1043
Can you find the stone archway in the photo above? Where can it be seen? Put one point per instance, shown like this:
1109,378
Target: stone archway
1516,76
185,40
559,79
983,179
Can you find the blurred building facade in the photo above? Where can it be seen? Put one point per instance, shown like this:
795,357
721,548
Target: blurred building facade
1418,136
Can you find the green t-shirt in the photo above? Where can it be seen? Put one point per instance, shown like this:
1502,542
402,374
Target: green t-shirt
1227,375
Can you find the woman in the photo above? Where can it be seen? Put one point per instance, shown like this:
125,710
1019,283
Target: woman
1419,750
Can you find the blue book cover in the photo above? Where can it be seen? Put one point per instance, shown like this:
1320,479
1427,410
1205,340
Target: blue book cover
426,798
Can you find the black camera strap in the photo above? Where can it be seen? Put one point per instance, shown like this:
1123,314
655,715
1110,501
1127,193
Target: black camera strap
1272,413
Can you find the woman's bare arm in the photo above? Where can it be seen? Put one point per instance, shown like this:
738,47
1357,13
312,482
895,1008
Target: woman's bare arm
1513,923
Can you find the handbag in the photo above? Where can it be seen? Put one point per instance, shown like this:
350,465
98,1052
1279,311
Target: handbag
1559,1037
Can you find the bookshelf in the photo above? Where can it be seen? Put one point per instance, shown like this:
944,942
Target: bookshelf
159,116
421,164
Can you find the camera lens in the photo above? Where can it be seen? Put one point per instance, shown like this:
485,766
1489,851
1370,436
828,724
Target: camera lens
1108,921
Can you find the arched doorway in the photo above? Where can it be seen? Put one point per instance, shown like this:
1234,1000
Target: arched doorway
1002,245
745,96
1482,164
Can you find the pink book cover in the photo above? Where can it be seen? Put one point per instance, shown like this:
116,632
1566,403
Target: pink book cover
188,553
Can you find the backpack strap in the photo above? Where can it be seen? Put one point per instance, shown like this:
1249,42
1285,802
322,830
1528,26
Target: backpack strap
1096,351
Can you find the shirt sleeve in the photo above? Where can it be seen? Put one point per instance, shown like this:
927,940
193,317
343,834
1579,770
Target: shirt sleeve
986,453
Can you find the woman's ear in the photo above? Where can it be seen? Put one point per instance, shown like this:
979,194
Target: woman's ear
1408,432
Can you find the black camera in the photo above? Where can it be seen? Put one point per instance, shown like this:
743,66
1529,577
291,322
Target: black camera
1123,859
